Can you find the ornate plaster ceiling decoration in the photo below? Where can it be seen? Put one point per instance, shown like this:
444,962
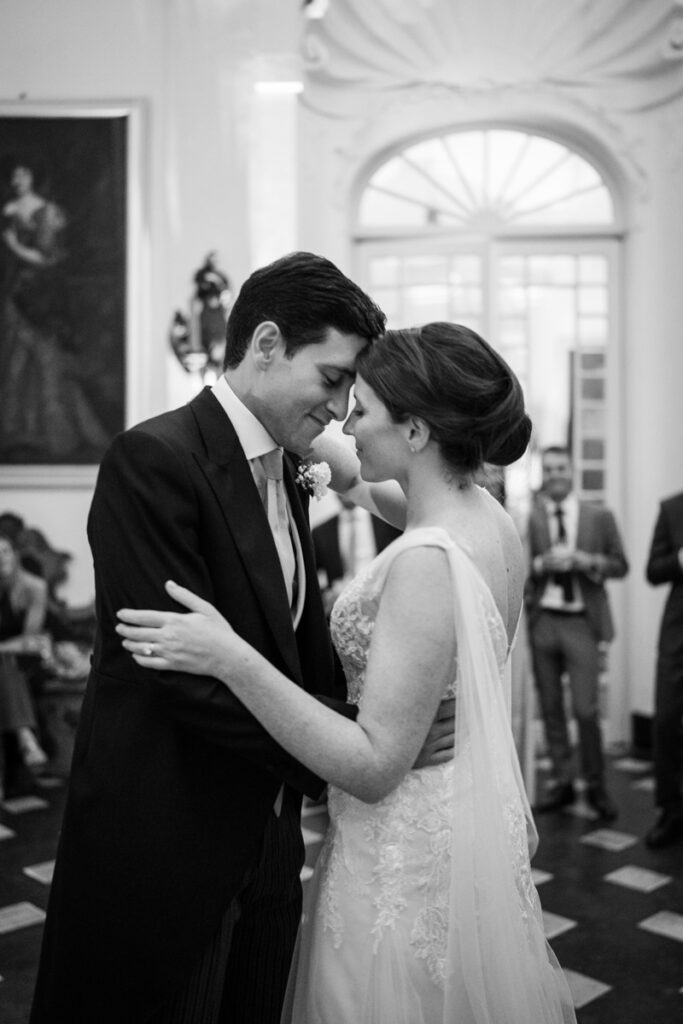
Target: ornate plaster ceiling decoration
629,52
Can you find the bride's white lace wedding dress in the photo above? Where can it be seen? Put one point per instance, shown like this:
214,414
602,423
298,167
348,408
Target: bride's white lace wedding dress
422,908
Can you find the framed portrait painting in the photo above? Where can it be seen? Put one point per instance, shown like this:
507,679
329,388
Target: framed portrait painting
70,209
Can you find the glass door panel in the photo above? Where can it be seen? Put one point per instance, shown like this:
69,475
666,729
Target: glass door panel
552,326
414,287
546,306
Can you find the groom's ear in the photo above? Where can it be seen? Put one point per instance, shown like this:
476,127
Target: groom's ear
266,341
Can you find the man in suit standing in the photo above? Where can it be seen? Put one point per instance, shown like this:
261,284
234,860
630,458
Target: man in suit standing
344,544
665,565
574,547
176,893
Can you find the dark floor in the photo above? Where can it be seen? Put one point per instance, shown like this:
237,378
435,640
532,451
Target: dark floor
620,972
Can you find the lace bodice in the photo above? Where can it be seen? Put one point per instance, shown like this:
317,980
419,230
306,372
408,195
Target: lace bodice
395,854
354,613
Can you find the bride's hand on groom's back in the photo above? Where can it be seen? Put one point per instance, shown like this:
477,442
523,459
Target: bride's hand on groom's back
438,746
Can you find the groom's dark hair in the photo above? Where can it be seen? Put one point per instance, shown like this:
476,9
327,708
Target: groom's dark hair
304,295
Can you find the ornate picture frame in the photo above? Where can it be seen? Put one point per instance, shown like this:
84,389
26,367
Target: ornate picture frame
71,267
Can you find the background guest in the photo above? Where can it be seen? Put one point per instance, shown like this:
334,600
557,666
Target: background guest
574,547
23,605
344,544
665,565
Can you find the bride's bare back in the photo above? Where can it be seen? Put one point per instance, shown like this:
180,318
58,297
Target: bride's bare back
485,531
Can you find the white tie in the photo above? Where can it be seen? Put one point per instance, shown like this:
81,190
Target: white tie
276,508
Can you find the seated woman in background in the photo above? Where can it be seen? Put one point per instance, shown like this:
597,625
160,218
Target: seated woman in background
23,606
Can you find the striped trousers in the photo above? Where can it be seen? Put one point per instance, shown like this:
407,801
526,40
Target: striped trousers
242,976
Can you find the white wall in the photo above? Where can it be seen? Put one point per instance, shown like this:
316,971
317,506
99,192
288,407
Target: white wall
188,66
653,372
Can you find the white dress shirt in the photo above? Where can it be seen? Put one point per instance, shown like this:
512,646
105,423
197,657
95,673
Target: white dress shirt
256,441
553,596
356,539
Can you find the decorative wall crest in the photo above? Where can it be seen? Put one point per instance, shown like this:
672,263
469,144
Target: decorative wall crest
621,49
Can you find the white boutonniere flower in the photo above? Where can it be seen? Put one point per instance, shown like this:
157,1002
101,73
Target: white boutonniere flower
314,477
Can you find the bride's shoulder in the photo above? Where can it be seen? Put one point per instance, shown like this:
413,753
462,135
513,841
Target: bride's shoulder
426,543
417,562
417,544
417,571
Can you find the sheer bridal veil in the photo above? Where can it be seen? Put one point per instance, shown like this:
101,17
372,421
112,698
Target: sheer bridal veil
499,968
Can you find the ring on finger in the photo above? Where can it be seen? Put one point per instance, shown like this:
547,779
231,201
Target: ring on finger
148,651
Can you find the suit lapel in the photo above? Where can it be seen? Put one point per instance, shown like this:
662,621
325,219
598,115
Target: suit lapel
540,515
315,649
229,474
330,537
300,516
584,531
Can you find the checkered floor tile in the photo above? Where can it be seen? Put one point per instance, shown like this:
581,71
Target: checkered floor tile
612,909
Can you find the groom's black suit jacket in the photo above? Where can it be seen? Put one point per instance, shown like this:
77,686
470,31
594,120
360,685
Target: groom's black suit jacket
172,779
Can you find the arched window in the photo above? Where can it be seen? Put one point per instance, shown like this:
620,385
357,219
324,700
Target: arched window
516,235
496,180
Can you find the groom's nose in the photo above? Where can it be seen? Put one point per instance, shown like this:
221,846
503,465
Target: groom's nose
338,404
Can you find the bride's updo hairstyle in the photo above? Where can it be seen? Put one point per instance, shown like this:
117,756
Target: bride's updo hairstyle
453,380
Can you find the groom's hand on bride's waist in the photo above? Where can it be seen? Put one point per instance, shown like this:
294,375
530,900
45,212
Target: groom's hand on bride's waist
438,746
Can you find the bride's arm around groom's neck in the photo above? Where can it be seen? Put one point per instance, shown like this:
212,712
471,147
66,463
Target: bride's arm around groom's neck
385,499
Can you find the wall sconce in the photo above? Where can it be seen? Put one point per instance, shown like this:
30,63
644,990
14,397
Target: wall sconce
198,339
315,8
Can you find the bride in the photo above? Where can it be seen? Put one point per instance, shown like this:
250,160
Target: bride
422,908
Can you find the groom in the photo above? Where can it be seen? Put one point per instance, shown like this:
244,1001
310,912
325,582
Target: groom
176,893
